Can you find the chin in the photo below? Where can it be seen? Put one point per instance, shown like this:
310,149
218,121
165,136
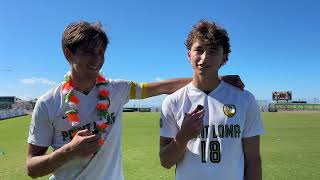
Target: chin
92,75
204,75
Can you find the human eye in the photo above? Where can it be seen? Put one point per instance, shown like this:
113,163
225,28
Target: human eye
198,50
88,52
212,51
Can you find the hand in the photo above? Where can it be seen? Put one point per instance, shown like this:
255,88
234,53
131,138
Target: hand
84,143
234,80
191,126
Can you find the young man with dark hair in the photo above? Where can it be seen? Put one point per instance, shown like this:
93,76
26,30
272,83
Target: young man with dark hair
81,119
210,129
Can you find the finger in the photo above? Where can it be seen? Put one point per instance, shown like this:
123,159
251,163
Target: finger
93,145
90,138
234,79
198,114
238,84
197,109
94,138
242,86
199,128
201,115
84,132
199,122
187,115
228,78
193,112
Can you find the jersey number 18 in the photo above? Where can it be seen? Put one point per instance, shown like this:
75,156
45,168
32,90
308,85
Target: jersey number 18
215,156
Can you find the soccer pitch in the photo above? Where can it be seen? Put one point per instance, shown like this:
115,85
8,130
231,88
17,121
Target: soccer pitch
290,148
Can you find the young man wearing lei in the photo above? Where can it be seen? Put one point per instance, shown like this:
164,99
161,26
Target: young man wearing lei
81,118
210,129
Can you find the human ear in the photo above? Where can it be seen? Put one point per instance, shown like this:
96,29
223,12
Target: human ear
224,59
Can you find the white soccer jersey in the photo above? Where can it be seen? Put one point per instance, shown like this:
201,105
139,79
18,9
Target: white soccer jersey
50,127
230,115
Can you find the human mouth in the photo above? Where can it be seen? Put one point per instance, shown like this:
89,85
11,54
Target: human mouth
94,68
203,67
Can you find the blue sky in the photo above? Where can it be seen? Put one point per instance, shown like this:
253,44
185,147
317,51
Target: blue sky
275,44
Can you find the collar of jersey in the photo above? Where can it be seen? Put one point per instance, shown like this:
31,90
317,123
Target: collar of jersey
216,90
93,92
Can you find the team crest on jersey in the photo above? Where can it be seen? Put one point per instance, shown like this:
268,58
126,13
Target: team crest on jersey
229,110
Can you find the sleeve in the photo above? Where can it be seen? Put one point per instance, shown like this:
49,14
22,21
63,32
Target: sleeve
129,90
168,124
253,124
41,129
122,90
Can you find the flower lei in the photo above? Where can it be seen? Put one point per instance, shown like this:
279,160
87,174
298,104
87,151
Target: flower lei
102,106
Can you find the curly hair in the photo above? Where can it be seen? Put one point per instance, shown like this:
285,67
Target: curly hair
84,33
208,33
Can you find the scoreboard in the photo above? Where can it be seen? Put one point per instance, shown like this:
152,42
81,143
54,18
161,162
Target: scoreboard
7,99
6,102
282,95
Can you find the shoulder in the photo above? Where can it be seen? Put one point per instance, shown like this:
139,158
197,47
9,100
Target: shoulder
176,96
243,94
118,81
114,83
51,96
248,95
231,88
48,103
174,99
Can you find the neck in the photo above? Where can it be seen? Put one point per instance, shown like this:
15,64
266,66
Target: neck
206,83
82,84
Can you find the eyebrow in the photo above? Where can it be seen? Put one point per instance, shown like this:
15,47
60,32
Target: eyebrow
199,47
210,48
213,48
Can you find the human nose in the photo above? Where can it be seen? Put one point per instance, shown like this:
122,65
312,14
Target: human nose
203,57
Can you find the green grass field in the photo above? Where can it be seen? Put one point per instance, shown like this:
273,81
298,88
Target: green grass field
290,148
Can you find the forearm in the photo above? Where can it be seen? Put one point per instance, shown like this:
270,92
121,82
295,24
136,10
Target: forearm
253,169
166,86
175,84
173,152
38,166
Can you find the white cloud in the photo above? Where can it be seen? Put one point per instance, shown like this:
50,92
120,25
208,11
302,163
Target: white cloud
26,97
158,79
35,80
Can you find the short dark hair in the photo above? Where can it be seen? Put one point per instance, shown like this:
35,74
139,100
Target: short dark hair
78,33
208,33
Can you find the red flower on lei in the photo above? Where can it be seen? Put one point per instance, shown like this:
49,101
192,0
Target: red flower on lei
102,106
